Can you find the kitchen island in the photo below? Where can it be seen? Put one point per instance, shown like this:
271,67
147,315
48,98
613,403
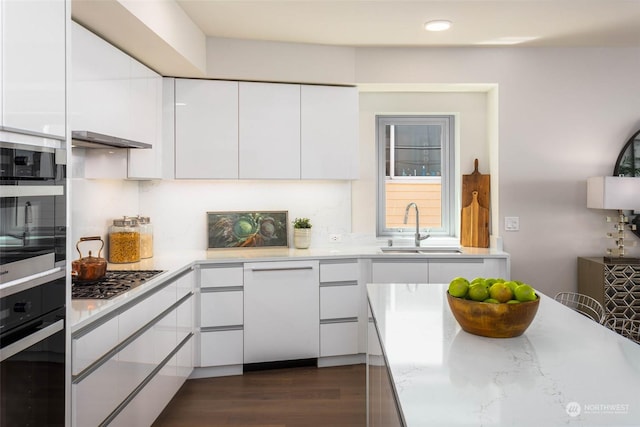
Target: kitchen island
423,370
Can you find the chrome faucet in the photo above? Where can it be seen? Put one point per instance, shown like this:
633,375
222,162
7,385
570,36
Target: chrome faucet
418,237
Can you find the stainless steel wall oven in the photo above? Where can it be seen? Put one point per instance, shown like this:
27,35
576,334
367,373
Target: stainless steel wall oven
32,210
32,285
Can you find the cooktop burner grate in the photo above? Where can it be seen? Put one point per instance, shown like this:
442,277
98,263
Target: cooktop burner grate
112,284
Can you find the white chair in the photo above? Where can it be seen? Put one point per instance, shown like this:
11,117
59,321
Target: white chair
583,304
625,327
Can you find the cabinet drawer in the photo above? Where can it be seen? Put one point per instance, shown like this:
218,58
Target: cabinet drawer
221,308
220,348
223,276
339,301
95,397
339,272
137,316
337,339
400,271
91,346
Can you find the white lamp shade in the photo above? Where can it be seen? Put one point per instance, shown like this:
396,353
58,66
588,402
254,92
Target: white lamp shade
613,192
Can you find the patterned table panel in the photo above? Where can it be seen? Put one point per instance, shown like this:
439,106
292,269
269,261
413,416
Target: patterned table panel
622,290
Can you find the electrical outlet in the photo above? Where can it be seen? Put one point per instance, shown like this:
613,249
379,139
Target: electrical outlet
335,238
512,223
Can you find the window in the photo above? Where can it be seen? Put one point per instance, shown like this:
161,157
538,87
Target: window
415,164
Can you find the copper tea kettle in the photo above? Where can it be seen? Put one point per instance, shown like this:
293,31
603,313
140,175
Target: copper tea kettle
88,268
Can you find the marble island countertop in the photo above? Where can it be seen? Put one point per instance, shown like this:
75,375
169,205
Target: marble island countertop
564,370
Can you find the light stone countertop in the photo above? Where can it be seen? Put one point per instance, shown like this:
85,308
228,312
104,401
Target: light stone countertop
564,370
84,311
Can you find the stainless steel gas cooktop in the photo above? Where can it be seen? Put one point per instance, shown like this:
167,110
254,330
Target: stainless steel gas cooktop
112,284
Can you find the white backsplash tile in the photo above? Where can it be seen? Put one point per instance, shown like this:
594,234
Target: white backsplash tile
178,208
96,203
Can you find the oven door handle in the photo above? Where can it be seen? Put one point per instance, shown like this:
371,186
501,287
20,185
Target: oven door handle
25,283
36,337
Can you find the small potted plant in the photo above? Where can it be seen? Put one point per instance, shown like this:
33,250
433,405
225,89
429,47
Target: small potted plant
301,233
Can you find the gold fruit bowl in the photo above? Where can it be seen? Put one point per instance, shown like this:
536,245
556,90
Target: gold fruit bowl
493,320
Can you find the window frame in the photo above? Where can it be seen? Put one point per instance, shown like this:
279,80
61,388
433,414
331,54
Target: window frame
447,176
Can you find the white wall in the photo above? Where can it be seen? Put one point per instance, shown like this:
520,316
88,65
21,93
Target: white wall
564,114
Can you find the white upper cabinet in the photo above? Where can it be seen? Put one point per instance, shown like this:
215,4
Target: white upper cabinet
206,129
100,86
146,93
329,133
269,124
112,93
33,66
250,130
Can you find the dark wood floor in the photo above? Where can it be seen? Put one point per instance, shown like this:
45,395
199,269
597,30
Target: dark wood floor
293,397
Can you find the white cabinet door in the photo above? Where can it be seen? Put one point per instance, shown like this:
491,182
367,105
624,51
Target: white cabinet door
444,270
146,124
269,136
206,129
221,276
137,316
337,302
88,348
221,348
96,396
221,309
329,129
338,339
99,99
34,66
281,302
400,271
339,271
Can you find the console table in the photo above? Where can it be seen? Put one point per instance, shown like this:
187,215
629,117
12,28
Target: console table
615,286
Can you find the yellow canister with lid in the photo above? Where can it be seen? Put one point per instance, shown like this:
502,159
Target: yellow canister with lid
124,241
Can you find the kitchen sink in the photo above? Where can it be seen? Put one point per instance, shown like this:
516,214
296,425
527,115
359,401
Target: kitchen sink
420,250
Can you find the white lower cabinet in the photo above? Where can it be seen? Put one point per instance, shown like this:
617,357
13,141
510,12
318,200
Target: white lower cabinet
129,380
281,303
341,298
221,347
221,335
437,270
222,308
339,339
399,271
444,270
97,395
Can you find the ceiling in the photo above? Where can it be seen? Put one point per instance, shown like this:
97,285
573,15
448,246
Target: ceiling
400,23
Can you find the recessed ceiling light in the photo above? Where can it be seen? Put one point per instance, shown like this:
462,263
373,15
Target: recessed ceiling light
438,25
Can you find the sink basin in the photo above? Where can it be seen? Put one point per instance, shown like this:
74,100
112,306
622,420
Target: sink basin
420,250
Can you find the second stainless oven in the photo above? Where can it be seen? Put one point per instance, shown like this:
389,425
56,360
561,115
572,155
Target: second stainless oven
32,209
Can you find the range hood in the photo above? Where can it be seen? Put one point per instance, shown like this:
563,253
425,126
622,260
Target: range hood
83,138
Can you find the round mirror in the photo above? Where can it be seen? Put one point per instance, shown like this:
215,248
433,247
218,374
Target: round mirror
628,164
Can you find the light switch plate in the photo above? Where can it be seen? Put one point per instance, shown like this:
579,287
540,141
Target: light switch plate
512,223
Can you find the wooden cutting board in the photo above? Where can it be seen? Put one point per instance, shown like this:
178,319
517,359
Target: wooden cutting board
474,224
476,182
474,220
